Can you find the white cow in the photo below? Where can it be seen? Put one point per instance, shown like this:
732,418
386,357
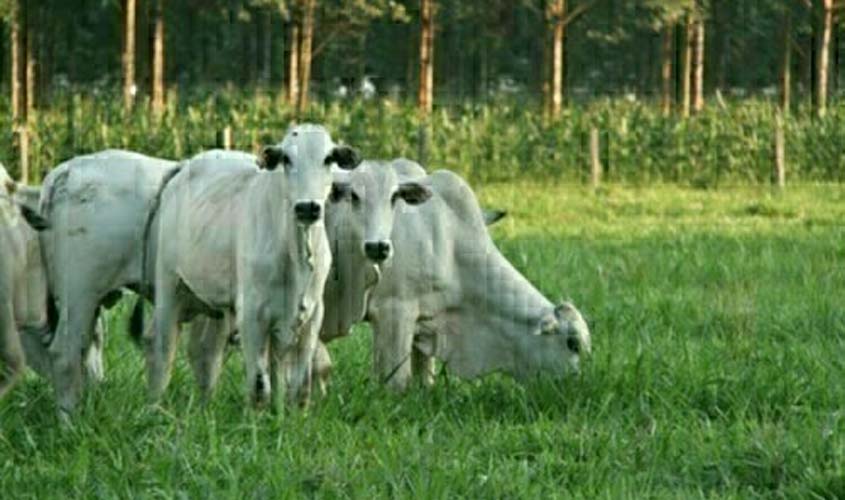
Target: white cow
448,293
359,223
97,207
23,285
252,243
371,193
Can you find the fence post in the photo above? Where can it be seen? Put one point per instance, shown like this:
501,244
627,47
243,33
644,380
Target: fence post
23,149
422,143
779,172
595,158
224,137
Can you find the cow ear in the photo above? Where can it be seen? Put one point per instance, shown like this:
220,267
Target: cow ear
345,157
270,158
548,325
493,216
413,193
565,309
340,190
34,219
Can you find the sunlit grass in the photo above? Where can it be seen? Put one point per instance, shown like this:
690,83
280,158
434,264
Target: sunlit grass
718,331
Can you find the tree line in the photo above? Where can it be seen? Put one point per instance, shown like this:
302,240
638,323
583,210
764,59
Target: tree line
440,51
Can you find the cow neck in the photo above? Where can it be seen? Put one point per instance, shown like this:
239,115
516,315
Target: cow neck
493,330
273,205
8,212
505,294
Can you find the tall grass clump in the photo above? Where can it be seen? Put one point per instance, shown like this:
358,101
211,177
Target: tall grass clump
501,140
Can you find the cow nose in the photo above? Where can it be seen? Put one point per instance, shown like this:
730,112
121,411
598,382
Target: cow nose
307,212
377,251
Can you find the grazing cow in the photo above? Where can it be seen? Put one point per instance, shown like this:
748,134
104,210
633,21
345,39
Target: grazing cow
97,207
356,232
251,243
448,293
359,220
23,285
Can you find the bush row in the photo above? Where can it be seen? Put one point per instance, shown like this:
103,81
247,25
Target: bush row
498,141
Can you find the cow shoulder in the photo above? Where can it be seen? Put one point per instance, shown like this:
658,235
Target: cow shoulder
458,197
407,169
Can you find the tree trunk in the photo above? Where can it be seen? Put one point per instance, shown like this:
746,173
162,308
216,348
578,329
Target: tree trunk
686,66
30,60
16,44
666,67
786,62
410,68
247,53
823,57
811,61
158,59
129,88
545,74
557,17
426,91
267,52
483,71
698,66
305,53
722,14
45,25
293,65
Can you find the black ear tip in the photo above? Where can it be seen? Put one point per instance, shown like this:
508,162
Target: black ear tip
493,216
339,190
356,158
34,219
346,157
270,158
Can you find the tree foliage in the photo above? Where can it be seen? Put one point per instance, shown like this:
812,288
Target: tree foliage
482,47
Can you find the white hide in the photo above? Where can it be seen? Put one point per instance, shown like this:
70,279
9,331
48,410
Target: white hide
448,293
97,206
234,245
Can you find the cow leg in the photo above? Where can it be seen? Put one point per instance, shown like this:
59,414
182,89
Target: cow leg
255,340
393,338
94,371
321,368
423,367
12,359
206,349
300,359
36,353
162,347
76,321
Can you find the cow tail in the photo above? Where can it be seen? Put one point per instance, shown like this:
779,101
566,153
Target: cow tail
136,321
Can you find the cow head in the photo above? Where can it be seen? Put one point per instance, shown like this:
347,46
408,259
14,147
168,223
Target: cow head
20,199
374,192
307,156
565,327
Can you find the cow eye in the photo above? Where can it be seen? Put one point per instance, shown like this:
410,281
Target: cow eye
573,345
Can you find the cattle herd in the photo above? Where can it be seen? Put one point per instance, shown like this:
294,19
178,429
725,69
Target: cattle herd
282,253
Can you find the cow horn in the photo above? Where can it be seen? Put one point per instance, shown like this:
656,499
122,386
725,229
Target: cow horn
548,325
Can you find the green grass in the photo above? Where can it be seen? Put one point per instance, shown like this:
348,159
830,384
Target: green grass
718,331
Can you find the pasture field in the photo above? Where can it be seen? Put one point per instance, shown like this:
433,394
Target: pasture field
718,371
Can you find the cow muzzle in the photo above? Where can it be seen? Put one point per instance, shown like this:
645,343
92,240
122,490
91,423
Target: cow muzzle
307,212
378,251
